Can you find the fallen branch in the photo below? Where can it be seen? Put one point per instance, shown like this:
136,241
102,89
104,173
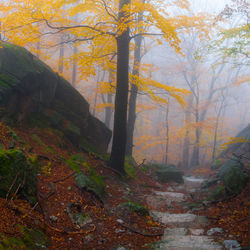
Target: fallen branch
70,232
65,178
138,232
12,184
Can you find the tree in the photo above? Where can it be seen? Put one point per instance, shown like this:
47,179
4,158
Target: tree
237,34
103,23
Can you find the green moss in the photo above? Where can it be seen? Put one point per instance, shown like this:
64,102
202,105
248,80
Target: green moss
8,80
46,148
20,61
4,84
15,136
37,120
135,207
92,182
31,239
235,180
33,160
76,161
192,205
216,164
16,171
168,175
130,166
87,146
217,193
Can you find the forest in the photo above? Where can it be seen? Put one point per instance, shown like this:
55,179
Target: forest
124,124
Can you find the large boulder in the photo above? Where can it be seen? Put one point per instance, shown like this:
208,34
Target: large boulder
235,180
30,90
168,174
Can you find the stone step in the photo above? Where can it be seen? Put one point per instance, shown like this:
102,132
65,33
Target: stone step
183,231
179,220
193,179
173,195
187,242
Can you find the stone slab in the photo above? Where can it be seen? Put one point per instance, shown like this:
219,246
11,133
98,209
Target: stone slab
188,243
175,231
167,218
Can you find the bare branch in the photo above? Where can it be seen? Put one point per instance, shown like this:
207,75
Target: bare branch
109,10
77,27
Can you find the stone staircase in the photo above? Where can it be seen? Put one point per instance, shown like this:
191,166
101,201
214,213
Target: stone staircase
184,231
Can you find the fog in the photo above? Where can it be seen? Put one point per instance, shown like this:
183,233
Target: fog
212,65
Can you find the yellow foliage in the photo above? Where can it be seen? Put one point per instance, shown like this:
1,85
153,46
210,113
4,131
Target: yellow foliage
243,79
151,87
233,140
102,106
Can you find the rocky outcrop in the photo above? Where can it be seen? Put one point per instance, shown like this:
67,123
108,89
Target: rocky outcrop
30,92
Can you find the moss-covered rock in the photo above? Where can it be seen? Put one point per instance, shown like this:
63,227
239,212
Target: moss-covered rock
15,171
29,239
30,89
227,166
132,206
92,181
235,180
168,174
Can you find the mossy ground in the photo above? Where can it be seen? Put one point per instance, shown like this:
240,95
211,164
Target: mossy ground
15,173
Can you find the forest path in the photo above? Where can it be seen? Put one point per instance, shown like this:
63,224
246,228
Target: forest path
184,230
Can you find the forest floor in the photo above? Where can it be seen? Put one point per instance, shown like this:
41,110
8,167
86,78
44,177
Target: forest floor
109,227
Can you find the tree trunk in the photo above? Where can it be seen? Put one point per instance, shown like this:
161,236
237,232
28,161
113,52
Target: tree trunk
195,160
121,98
186,143
167,133
217,126
38,49
74,69
133,97
61,55
108,111
134,92
99,79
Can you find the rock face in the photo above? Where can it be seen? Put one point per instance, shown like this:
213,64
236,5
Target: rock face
31,92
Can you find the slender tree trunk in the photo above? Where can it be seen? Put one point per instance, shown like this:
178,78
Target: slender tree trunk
216,128
74,69
61,55
121,98
133,97
186,143
99,79
133,94
108,111
167,133
195,160
38,49
215,140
